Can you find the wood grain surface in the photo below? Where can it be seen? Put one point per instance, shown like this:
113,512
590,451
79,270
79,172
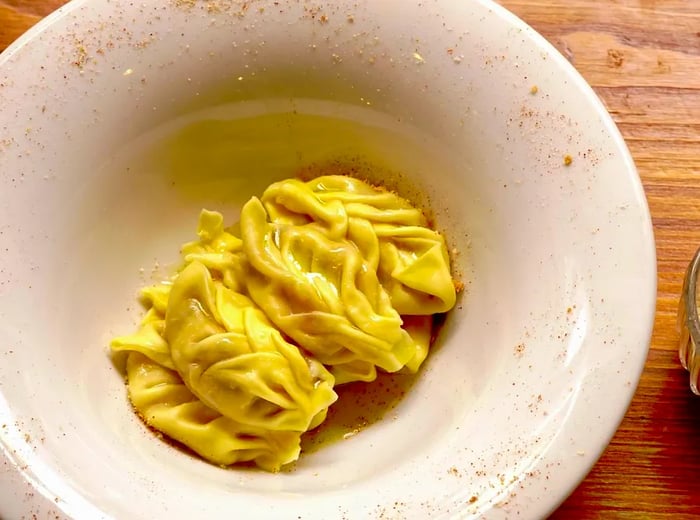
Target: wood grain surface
643,59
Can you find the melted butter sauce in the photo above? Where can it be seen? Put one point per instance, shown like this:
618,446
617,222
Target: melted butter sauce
359,405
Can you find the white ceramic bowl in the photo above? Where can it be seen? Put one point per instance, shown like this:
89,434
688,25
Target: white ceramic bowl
119,121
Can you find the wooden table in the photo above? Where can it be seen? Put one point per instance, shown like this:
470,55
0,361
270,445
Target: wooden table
643,59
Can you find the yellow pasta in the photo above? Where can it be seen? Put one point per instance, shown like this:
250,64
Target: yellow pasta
231,357
330,280
335,264
165,403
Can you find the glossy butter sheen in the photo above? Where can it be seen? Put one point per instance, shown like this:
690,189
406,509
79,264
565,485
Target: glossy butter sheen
239,353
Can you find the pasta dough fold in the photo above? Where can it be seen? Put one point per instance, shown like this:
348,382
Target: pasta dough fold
335,263
232,358
165,403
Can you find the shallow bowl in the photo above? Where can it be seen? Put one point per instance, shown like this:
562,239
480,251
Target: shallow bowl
120,121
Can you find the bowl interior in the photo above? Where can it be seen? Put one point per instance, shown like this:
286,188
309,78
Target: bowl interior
117,137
